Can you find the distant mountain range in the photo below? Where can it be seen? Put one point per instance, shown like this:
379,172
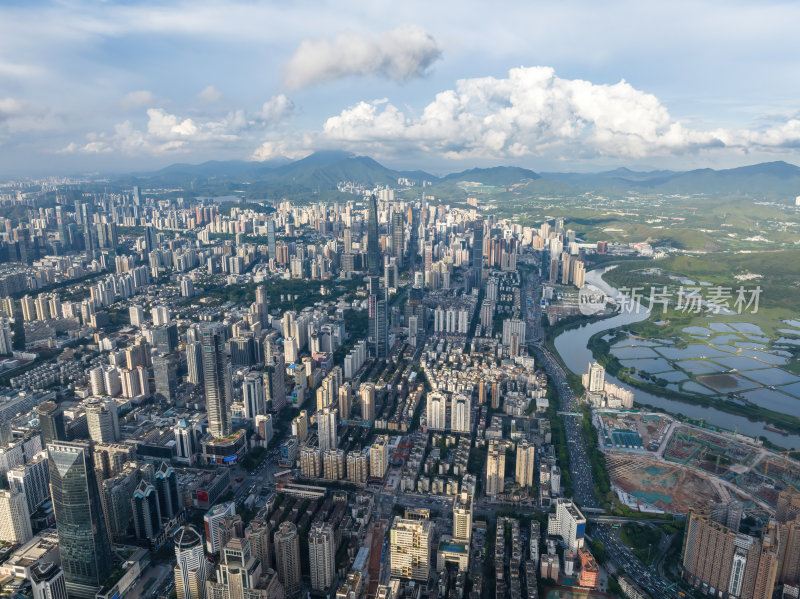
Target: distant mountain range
322,171
764,179
319,171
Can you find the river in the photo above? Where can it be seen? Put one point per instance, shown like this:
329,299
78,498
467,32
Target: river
572,347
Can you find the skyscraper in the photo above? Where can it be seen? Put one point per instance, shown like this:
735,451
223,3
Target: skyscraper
398,236
47,581
410,549
115,494
146,511
254,395
82,535
495,470
271,246
190,571
525,461
262,301
367,392
237,573
321,554
568,523
185,440
477,253
595,380
150,239
462,516
6,345
379,456
166,483
379,326
259,534
51,422
436,411
788,508
391,273
300,426
373,248
327,423
88,238
275,384
165,336
348,240
345,401
217,376
165,375
33,479
287,557
194,362
15,521
460,419
511,326
102,420
734,564
728,514
212,521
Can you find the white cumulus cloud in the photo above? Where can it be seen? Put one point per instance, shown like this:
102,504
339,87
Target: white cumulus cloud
531,112
270,150
276,109
165,132
400,54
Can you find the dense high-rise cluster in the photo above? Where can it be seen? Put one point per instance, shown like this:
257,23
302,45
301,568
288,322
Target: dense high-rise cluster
351,397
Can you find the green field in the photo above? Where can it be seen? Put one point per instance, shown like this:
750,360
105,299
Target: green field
778,275
682,222
673,329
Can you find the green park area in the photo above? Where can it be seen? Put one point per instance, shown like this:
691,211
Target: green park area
643,540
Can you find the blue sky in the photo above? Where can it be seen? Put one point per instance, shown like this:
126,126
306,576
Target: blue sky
88,86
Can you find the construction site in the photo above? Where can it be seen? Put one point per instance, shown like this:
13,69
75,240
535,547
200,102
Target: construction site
626,429
656,463
769,476
650,483
713,452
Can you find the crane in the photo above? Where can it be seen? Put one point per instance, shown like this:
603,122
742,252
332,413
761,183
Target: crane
785,454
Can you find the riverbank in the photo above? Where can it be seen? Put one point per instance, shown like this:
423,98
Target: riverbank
562,326
571,348
601,351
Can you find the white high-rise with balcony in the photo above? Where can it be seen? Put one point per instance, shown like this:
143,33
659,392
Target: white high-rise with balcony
321,554
437,411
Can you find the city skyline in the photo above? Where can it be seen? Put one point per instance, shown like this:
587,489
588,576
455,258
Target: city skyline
399,301
248,368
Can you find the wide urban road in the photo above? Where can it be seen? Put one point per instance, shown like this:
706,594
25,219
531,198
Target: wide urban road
582,479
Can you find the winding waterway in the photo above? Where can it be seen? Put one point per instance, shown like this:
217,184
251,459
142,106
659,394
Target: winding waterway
572,347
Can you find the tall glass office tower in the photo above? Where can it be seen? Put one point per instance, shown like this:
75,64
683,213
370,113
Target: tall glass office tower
398,237
51,422
82,536
217,377
477,253
373,248
271,244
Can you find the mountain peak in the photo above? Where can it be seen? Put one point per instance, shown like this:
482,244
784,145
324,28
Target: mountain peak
495,175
